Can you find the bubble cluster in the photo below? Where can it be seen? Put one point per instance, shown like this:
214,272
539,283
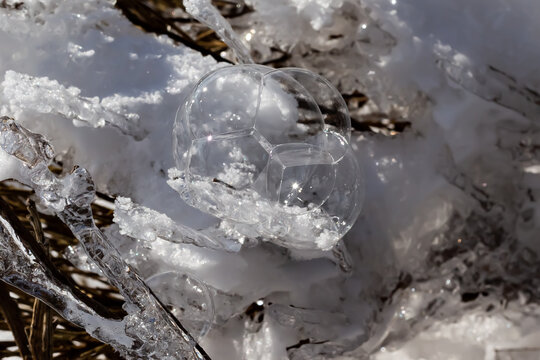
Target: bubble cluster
270,149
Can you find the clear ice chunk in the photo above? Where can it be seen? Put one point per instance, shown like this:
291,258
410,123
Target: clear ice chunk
278,148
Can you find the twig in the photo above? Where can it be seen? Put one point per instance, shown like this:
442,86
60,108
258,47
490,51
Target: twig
150,20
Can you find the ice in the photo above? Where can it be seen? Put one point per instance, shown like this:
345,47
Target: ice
205,12
147,225
477,335
45,96
153,332
312,324
187,298
442,263
489,82
28,269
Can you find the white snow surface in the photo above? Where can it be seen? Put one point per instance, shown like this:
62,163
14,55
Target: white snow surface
69,69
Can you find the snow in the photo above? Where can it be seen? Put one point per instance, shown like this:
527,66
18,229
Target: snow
462,180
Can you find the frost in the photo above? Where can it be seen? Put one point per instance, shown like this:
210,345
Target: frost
46,96
148,225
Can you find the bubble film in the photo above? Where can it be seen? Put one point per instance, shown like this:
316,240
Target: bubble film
270,149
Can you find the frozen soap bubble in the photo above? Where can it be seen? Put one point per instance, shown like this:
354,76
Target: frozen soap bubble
188,299
269,149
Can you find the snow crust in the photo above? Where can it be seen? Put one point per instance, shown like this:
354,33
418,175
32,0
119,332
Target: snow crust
451,204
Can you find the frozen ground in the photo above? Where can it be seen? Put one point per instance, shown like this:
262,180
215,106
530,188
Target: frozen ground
445,251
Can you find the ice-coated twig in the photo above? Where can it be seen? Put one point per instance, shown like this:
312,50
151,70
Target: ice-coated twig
148,225
205,12
24,264
342,257
149,331
43,95
489,82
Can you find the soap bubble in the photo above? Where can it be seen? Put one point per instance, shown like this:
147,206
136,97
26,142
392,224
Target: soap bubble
270,148
188,299
337,121
224,103
300,175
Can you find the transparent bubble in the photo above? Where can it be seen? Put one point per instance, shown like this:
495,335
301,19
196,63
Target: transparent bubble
345,201
226,100
300,175
337,122
270,148
234,160
188,299
287,112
